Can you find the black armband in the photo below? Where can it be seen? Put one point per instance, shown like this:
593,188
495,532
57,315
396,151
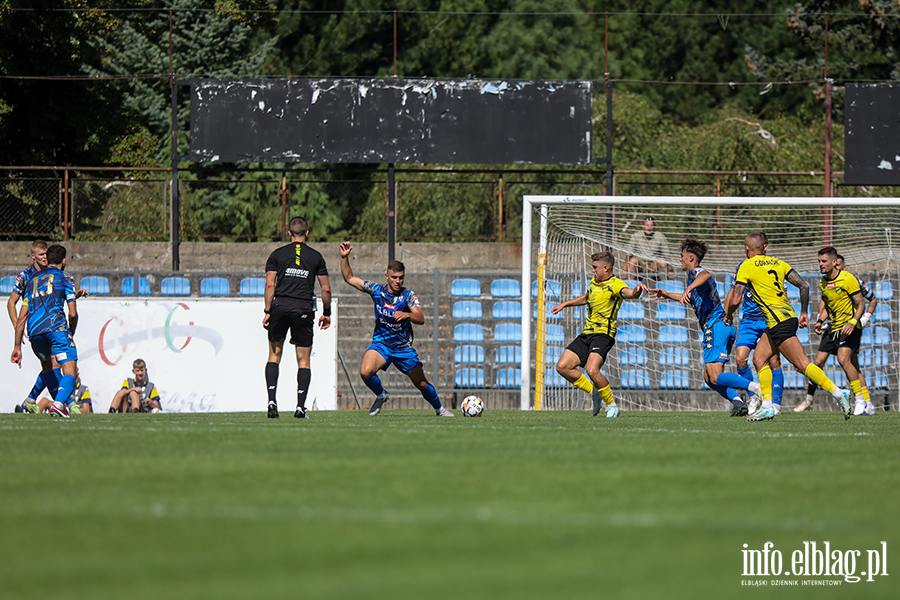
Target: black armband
268,312
326,312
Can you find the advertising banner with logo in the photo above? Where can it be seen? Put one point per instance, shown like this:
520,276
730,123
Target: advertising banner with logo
203,355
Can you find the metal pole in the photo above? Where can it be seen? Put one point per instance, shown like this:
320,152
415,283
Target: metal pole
435,331
525,388
66,202
174,234
349,381
392,215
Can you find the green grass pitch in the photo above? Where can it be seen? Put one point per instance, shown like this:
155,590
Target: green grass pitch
511,505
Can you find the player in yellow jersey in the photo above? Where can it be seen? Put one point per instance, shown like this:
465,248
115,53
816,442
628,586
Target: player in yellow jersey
765,277
603,298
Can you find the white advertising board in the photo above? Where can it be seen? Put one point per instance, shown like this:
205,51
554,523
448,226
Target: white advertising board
204,355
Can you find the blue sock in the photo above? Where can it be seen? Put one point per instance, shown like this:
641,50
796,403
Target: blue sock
734,381
777,385
66,386
430,394
746,372
726,392
49,380
374,384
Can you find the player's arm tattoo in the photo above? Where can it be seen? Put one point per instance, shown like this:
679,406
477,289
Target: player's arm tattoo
794,277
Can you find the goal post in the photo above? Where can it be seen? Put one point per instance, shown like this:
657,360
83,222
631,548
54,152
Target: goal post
571,228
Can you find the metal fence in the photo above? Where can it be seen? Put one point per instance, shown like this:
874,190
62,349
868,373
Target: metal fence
253,205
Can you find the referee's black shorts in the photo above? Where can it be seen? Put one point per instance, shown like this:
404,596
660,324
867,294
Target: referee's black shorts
296,315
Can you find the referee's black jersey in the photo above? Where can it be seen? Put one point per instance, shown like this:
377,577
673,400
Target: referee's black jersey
297,266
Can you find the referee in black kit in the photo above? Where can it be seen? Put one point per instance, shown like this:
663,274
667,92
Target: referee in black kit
291,304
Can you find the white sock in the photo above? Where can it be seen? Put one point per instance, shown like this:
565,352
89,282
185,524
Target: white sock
767,404
837,393
754,388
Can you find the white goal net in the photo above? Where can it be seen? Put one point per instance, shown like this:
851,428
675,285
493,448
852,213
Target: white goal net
657,362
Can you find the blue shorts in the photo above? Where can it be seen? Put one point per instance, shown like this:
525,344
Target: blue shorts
405,359
718,338
749,332
58,344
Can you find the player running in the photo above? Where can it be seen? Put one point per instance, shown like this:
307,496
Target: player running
397,309
49,328
718,336
604,297
765,277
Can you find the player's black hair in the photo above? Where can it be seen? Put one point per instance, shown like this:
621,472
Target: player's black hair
56,254
604,257
696,247
395,266
829,251
757,240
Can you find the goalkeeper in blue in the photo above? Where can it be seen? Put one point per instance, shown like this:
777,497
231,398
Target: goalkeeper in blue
718,333
48,309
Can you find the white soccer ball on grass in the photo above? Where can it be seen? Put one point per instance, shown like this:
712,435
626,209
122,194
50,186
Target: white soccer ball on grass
472,406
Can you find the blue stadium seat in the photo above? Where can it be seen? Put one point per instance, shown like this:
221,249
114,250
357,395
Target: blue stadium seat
508,355
877,380
468,333
252,286
465,288
96,285
635,379
884,290
674,356
632,356
468,354
882,314
507,309
794,380
508,378
631,334
673,286
554,334
467,309
577,287
215,286
631,282
675,379
837,376
797,311
670,311
508,332
793,292
548,315
470,377
673,334
832,361
873,357
876,335
7,284
552,354
128,287
175,286
506,288
803,335
722,290
631,311
552,289
554,379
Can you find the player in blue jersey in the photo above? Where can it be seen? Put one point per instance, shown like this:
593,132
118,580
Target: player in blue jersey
47,296
718,335
397,309
39,261
81,397
750,328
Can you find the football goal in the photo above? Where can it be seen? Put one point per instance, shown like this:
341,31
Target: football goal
657,362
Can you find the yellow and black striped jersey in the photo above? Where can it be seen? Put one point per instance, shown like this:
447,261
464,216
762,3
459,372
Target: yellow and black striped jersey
838,295
764,276
603,301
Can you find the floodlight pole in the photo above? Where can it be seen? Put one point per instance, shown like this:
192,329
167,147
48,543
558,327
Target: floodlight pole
174,222
392,213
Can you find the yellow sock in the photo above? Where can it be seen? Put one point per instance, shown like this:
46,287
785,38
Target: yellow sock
607,396
857,389
765,383
818,377
584,384
865,393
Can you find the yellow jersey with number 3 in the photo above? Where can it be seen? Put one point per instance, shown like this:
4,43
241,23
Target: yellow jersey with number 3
603,301
838,295
764,276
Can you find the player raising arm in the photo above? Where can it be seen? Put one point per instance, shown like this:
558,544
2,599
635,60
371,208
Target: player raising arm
603,298
765,276
397,309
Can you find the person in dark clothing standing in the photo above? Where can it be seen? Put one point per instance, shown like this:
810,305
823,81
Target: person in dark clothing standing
291,274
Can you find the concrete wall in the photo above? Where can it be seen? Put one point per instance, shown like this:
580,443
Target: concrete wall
221,257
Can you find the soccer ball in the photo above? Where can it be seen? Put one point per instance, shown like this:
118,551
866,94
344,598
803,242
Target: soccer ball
472,406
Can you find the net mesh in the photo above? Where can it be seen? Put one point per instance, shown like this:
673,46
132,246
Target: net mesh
657,362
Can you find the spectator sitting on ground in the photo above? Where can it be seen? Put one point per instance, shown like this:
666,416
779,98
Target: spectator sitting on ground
138,394
647,249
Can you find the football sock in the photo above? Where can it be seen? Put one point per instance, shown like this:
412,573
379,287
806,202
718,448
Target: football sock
607,396
746,372
66,386
811,389
303,378
112,410
584,384
817,376
50,381
431,396
857,389
777,385
733,380
272,380
726,392
374,384
865,393
765,383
